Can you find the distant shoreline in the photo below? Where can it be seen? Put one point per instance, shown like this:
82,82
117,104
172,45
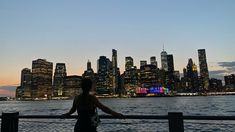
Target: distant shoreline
154,96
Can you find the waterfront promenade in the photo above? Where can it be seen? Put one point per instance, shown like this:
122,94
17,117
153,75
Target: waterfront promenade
175,120
45,115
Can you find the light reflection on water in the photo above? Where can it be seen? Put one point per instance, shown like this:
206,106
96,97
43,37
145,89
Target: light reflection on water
198,105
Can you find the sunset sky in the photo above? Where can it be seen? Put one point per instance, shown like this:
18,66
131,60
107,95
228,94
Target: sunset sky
76,31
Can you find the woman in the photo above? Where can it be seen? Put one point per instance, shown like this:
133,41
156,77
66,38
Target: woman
86,105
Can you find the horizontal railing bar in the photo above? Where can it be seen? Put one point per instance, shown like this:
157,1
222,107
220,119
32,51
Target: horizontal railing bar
100,116
209,117
158,117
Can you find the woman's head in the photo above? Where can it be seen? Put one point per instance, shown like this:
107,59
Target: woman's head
86,85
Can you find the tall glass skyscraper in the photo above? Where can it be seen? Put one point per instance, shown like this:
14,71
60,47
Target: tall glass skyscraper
164,60
104,67
58,81
153,61
25,77
203,68
143,63
25,85
89,73
170,68
42,78
170,63
115,70
129,63
192,76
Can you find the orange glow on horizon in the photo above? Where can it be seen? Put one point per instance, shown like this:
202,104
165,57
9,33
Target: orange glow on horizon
10,81
4,92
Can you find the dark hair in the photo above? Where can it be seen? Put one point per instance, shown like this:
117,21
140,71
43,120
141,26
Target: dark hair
86,85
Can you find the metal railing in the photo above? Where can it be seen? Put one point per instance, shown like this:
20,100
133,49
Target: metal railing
10,121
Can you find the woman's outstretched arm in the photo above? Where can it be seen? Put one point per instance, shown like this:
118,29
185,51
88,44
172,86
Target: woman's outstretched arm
74,106
107,110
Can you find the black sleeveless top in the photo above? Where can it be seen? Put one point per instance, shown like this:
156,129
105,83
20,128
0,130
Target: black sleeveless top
85,110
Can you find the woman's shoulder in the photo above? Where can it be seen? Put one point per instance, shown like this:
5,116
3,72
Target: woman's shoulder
93,97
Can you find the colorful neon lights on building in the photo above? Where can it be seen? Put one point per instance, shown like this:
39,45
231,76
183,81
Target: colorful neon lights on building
141,90
152,90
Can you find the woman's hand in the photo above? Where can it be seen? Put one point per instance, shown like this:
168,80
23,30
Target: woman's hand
119,115
65,115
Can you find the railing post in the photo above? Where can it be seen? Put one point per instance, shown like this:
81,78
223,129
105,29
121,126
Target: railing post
176,123
10,122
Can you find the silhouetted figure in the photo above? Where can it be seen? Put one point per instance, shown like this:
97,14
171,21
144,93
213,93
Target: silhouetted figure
86,105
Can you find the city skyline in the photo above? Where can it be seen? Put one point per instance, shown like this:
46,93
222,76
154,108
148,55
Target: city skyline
170,60
75,32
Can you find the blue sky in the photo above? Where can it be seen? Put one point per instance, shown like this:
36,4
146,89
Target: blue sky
75,31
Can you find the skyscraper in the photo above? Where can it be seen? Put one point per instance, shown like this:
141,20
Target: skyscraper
185,72
130,76
164,60
26,79
104,74
229,80
195,73
203,68
103,65
190,68
192,77
170,63
88,65
129,63
58,82
41,78
89,73
115,70
153,61
170,71
148,76
72,86
143,63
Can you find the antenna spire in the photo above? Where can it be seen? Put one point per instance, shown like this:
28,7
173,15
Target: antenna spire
163,46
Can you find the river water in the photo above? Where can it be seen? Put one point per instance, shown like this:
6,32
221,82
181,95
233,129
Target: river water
196,105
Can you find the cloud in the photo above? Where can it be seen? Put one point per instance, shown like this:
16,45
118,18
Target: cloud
7,91
218,74
229,66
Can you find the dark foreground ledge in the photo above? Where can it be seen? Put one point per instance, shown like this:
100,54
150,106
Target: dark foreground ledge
10,121
155,117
